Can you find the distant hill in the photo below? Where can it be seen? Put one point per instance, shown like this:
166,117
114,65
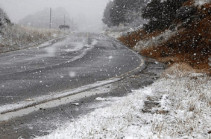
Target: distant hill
41,19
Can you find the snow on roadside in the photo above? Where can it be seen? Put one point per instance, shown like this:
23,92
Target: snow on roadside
154,41
170,108
116,32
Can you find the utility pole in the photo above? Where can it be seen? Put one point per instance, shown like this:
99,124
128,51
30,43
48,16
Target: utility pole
64,20
50,18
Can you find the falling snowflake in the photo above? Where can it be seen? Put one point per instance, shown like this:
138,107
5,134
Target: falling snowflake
72,74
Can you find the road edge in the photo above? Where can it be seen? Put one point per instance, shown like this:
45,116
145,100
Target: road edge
5,109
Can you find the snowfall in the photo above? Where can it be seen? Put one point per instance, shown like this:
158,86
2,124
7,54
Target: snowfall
175,106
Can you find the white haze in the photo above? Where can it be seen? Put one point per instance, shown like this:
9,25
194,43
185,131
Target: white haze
86,13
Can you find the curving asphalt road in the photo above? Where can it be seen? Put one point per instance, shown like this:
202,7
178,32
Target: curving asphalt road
68,63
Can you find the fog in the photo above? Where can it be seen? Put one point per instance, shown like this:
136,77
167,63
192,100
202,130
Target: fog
86,13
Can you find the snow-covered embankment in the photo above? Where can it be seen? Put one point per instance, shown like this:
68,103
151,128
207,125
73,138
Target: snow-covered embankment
172,107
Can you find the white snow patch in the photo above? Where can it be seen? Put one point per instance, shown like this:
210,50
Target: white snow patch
101,99
54,35
107,98
201,2
154,41
94,42
76,104
116,32
185,100
47,98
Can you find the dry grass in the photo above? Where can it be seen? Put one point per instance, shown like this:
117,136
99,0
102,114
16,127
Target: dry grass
18,37
189,3
160,53
178,70
190,99
134,37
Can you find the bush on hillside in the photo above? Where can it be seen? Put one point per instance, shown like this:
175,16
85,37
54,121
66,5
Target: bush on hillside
107,14
161,14
191,45
189,42
122,12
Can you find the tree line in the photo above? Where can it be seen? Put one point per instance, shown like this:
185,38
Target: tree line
159,13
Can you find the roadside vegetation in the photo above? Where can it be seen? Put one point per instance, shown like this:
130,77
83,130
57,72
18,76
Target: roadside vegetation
125,12
15,37
177,105
184,38
172,107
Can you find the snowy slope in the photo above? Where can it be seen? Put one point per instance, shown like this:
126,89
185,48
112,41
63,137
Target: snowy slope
177,107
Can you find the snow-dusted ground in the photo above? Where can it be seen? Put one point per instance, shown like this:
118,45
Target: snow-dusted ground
18,37
154,41
116,32
52,100
173,107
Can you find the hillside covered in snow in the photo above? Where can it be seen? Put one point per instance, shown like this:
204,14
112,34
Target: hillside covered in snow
15,37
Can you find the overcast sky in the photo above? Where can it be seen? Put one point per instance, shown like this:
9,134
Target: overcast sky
88,13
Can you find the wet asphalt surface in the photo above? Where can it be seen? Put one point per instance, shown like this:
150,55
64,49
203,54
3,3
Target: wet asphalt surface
44,121
77,60
30,78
